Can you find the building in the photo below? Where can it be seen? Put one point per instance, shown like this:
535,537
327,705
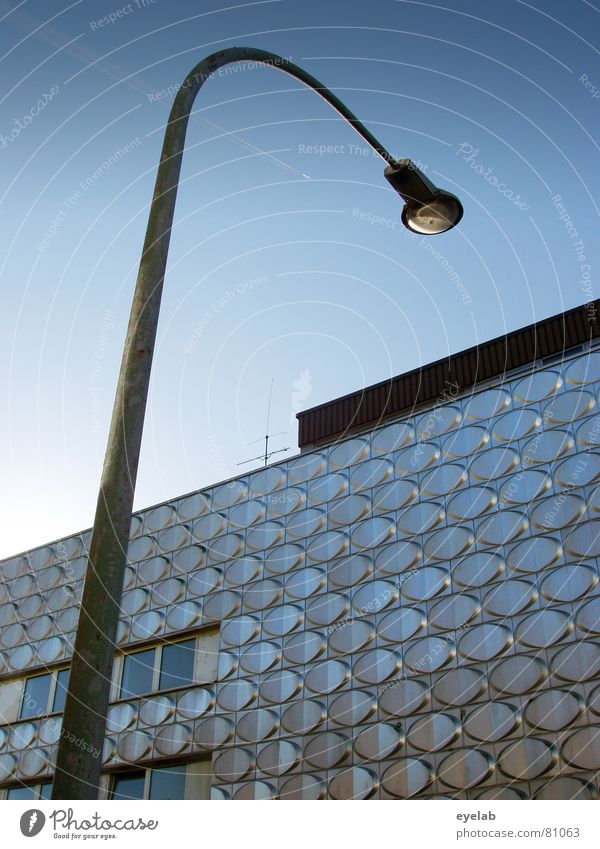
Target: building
410,607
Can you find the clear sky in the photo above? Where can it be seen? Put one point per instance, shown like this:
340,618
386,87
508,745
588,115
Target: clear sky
288,260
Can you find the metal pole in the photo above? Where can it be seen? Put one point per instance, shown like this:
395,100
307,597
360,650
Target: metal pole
79,757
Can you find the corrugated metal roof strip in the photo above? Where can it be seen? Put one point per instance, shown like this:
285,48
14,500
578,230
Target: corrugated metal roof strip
399,395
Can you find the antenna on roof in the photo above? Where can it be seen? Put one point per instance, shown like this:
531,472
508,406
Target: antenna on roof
267,454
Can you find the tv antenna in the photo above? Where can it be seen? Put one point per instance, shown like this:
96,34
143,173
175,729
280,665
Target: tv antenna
267,454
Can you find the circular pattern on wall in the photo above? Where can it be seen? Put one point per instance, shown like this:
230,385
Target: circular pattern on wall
502,527
327,676
476,570
402,624
237,695
494,463
403,697
304,647
577,662
570,406
407,777
516,425
260,657
354,783
429,654
351,637
348,453
553,710
465,768
214,732
527,758
378,742
327,608
588,615
374,667
349,509
280,686
303,716
492,721
510,597
392,438
370,474
534,554
518,674
448,543
525,487
465,442
582,749
454,611
373,597
547,446
433,732
328,487
544,628
240,630
326,750
426,583
204,581
394,495
278,758
233,764
417,458
569,583
282,620
303,786
349,571
471,503
397,557
352,707
257,725
487,404
537,386
459,686
445,479
307,466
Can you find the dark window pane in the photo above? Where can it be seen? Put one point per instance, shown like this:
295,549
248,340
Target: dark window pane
138,670
35,697
62,679
129,786
21,793
168,783
46,790
177,665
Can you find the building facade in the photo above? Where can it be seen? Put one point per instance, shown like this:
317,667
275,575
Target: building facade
409,608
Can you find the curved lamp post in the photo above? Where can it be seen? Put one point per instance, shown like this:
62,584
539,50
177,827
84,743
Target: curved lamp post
427,210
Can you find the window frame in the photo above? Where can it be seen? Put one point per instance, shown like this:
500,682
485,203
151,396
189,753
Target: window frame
119,664
112,777
49,710
37,786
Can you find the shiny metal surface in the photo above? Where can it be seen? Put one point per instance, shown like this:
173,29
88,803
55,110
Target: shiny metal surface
414,612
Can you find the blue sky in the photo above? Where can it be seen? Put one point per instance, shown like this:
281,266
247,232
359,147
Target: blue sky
288,260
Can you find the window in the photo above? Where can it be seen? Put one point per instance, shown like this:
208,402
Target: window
177,665
60,692
130,785
35,696
30,791
43,694
181,781
167,666
138,673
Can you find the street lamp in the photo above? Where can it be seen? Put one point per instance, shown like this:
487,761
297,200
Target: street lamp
427,210
79,757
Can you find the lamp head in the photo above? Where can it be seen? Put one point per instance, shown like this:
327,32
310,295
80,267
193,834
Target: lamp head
427,209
